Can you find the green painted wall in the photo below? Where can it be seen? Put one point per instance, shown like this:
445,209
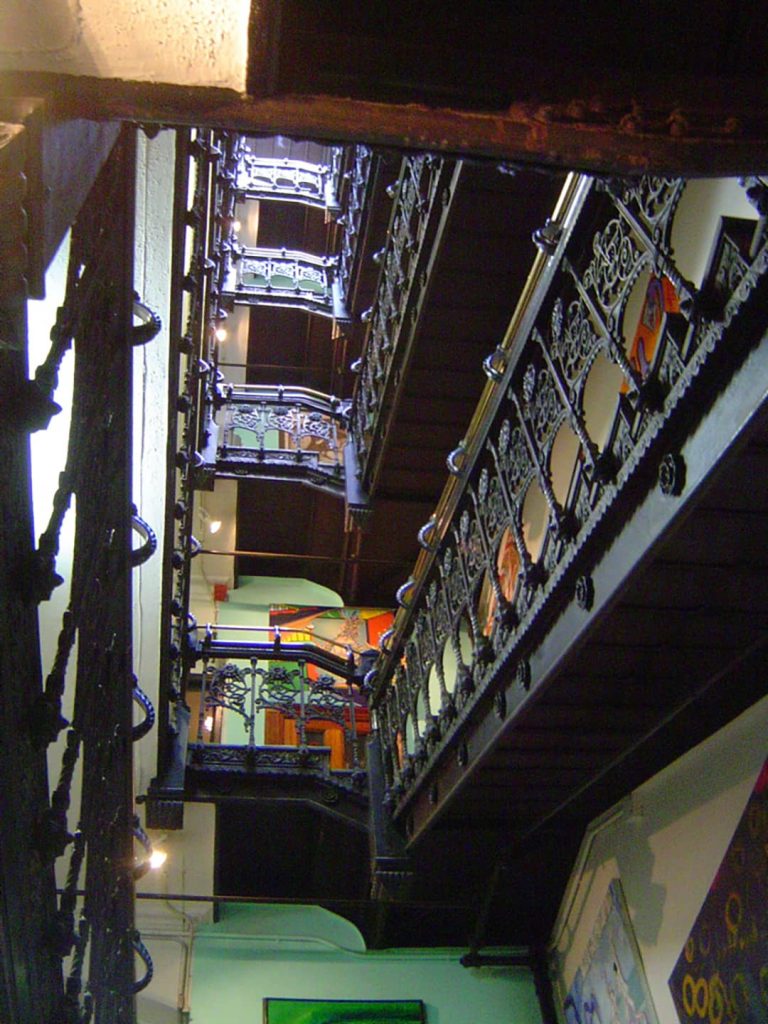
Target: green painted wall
295,954
249,605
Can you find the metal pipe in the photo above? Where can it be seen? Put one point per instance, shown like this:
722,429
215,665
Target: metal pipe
238,553
333,901
272,366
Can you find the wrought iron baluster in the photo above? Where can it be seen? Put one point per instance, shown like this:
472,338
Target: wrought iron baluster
350,727
464,681
302,719
425,660
656,242
527,566
542,475
388,733
296,429
575,417
503,607
407,701
203,701
252,675
613,344
447,705
461,540
420,669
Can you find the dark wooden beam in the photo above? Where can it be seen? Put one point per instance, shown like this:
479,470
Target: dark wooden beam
692,125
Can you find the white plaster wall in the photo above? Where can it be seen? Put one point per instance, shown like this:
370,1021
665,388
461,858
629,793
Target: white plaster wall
49,457
152,279
168,925
185,42
665,843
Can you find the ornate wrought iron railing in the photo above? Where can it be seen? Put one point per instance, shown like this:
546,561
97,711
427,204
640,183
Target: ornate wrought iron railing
283,433
582,394
98,932
288,180
199,225
282,277
421,202
355,201
267,642
251,690
296,419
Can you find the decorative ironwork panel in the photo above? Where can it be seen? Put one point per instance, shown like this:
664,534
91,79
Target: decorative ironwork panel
456,595
292,180
420,202
281,277
354,207
251,690
96,317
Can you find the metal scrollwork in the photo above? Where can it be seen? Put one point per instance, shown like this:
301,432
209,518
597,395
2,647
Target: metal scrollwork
580,318
615,263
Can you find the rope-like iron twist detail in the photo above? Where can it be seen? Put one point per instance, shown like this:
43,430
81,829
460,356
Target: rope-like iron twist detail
150,324
143,952
147,707
140,555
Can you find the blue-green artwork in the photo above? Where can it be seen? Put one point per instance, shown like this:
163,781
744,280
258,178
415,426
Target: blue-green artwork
610,986
343,1011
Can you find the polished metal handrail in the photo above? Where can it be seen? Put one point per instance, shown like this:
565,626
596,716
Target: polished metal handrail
499,367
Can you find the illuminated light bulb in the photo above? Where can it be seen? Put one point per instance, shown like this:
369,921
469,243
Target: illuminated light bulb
157,858
236,225
214,526
220,334
208,723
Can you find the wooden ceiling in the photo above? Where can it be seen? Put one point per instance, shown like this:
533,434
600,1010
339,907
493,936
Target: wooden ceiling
462,51
483,262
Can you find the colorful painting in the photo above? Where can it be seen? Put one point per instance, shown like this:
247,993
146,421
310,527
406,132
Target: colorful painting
660,299
343,1011
333,629
610,986
507,566
721,975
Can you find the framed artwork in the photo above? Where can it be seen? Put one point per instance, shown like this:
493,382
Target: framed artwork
332,628
610,985
721,974
660,300
343,1011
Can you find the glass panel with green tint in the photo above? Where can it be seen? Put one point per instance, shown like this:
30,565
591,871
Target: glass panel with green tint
343,1011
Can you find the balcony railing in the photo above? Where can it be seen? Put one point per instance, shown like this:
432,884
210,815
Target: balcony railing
92,929
298,181
600,362
356,194
301,706
421,202
274,433
282,277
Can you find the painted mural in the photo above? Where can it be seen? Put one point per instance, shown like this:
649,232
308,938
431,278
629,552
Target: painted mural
610,986
333,629
721,975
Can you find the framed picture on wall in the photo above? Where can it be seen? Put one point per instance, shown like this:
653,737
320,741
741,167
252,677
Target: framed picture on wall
343,1011
610,985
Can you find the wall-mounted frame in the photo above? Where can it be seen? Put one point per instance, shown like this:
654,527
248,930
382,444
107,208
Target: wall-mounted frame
610,985
343,1011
